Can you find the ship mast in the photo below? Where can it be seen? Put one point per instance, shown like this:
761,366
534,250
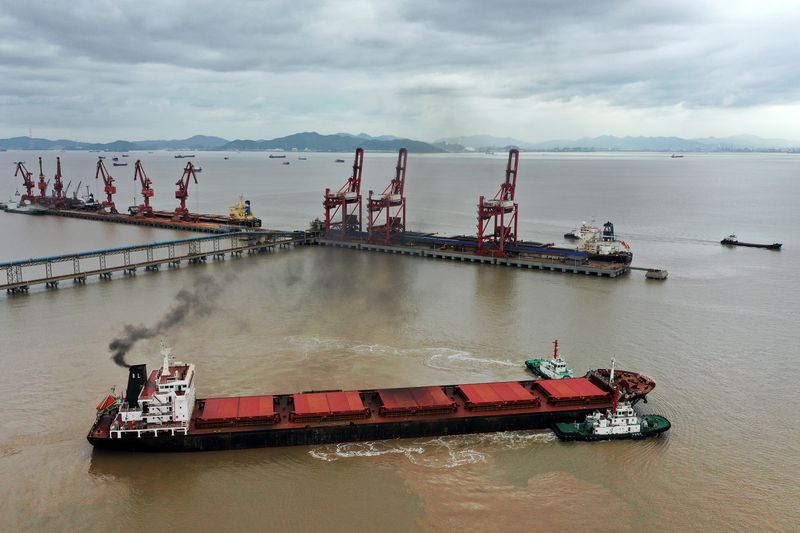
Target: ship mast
165,352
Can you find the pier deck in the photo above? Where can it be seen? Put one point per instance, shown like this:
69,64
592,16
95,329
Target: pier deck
566,265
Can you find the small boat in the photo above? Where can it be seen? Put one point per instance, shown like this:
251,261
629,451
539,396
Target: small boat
198,169
126,155
120,164
285,162
115,158
555,368
732,240
101,157
181,156
273,156
302,158
340,160
676,156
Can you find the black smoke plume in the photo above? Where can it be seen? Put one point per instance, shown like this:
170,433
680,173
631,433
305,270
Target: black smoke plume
199,298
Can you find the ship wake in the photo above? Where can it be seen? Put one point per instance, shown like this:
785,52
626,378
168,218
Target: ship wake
440,452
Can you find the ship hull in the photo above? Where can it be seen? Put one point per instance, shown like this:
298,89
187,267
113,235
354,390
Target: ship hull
621,258
774,246
566,433
346,432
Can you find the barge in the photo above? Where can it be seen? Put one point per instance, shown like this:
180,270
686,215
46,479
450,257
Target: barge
732,240
158,412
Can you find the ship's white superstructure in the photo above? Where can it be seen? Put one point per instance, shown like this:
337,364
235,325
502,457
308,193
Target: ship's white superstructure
162,403
602,242
622,420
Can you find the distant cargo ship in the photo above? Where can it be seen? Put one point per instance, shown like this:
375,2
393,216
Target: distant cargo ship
732,240
159,412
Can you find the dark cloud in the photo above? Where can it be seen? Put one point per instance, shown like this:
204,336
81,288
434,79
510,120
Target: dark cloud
242,64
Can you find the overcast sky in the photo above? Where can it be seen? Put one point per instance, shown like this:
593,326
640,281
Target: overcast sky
105,70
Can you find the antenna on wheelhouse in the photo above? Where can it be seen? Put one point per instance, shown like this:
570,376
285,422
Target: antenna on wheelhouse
611,375
166,353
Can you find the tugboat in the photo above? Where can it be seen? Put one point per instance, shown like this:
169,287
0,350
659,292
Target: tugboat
555,368
732,240
619,422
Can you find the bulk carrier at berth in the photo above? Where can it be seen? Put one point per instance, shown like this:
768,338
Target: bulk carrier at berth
159,412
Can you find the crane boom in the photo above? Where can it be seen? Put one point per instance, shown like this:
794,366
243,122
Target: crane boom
109,188
58,184
147,189
27,182
42,185
498,216
183,189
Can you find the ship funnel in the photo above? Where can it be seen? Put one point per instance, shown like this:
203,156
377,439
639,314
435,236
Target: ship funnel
137,375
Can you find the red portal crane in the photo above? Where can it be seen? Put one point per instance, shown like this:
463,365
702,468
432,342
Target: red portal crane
110,189
42,185
387,211
346,200
27,182
497,217
183,189
147,190
58,185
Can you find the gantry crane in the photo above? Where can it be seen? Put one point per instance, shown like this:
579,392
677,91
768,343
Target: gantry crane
346,201
147,189
387,211
27,182
183,189
42,184
58,184
109,188
497,217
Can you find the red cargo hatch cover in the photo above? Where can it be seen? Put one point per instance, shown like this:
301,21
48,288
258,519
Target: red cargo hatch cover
256,407
220,409
328,403
414,398
497,394
570,388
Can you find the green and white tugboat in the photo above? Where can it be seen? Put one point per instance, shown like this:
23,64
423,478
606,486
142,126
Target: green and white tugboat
619,422
555,368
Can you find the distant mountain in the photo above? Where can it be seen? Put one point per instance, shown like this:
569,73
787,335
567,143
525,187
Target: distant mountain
638,144
315,142
370,137
481,141
198,142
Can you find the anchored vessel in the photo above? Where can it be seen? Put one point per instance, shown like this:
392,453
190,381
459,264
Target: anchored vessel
732,240
159,412
555,368
603,245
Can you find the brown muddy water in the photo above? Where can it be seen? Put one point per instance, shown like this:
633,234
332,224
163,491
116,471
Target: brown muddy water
720,337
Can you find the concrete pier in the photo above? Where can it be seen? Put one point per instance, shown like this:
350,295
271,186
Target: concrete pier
611,270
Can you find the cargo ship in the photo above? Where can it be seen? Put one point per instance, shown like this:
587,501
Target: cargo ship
732,240
158,412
